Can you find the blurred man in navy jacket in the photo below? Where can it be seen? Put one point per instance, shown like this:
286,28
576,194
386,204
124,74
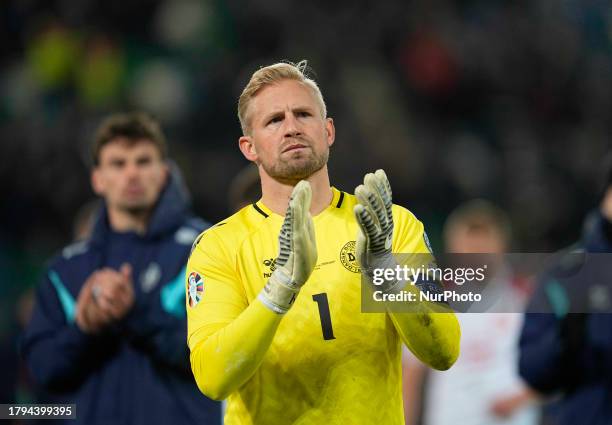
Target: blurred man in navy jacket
566,343
108,330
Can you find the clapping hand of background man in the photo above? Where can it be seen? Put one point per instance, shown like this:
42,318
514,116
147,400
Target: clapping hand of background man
106,297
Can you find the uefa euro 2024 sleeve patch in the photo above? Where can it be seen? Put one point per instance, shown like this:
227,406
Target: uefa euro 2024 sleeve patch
195,289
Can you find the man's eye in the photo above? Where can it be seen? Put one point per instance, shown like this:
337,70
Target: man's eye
303,114
275,120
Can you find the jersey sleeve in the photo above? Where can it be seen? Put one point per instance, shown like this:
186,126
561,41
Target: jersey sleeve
432,332
411,248
409,233
228,336
214,294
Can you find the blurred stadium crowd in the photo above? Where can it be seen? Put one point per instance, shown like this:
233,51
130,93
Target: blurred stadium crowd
454,99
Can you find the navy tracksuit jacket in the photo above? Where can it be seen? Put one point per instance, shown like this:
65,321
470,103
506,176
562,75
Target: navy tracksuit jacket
569,353
137,372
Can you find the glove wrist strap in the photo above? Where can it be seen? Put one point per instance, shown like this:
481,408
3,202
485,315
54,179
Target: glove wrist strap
279,294
383,261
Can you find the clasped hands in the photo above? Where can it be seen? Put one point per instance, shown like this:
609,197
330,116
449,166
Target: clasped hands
297,243
106,297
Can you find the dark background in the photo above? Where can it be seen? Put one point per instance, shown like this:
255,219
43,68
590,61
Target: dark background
507,101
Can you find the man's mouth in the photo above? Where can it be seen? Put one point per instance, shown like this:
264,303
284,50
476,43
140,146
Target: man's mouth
293,147
134,190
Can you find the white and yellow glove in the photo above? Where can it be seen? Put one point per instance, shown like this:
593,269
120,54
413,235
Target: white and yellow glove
375,218
297,255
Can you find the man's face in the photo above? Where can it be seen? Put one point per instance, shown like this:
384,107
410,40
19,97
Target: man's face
129,176
464,240
289,138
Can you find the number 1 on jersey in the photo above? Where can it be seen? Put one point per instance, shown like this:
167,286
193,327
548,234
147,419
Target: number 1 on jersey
326,324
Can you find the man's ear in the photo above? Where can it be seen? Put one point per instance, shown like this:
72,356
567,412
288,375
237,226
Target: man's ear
330,130
247,147
97,182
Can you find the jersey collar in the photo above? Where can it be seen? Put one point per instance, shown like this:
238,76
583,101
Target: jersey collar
337,201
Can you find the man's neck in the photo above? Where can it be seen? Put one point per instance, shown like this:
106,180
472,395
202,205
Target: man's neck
275,194
123,221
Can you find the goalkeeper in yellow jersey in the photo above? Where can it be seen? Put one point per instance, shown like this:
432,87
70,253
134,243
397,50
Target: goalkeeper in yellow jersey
274,295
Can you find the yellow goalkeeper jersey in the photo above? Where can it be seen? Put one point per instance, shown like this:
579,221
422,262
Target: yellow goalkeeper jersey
328,362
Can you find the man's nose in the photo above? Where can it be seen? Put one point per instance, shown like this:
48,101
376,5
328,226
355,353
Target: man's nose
292,126
131,170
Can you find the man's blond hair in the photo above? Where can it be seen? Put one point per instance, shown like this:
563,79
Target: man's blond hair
270,75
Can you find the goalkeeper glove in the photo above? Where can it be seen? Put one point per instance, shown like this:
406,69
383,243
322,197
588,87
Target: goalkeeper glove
297,255
375,217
